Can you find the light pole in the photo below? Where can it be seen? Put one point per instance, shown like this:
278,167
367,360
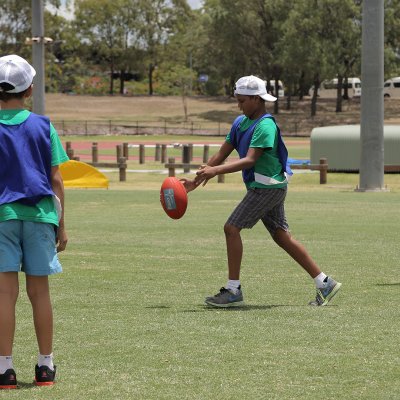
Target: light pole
372,106
38,55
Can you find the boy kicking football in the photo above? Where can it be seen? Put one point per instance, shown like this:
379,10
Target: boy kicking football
263,162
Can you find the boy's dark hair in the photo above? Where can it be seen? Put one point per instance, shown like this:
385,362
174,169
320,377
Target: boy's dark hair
6,96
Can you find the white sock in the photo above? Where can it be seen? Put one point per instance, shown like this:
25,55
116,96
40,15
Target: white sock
319,280
46,360
233,285
6,362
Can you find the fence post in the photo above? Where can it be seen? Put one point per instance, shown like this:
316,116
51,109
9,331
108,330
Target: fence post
186,158
190,151
95,152
119,151
163,153
69,150
205,153
171,168
141,154
323,170
125,151
157,155
122,169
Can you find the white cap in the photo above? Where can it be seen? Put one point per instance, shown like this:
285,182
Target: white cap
253,86
17,72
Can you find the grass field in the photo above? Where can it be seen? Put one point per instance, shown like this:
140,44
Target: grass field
130,322
129,316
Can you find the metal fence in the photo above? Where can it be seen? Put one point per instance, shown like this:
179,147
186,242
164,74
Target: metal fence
289,127
90,128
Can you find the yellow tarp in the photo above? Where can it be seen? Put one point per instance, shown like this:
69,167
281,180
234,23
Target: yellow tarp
81,175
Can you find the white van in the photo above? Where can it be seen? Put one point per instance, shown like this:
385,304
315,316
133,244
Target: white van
328,88
281,91
391,87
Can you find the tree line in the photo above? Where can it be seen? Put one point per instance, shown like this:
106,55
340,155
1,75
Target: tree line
165,47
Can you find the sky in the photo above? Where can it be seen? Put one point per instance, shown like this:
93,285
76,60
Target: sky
194,4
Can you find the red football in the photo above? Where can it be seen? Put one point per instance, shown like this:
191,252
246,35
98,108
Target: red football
173,197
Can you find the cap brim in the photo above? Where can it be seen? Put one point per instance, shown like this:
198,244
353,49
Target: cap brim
268,97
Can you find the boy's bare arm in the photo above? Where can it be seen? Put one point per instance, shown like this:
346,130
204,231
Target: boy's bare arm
218,158
58,188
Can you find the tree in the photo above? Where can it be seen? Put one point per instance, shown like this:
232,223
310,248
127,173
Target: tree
392,38
324,38
227,53
159,20
103,24
15,27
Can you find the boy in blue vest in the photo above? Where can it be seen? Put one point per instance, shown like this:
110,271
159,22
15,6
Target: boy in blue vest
31,216
263,162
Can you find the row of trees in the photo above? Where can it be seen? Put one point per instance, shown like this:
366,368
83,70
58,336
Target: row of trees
166,45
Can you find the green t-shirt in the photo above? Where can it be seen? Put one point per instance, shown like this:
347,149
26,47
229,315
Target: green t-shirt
265,136
44,211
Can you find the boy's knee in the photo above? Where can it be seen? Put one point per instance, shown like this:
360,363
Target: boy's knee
281,237
9,293
9,287
231,230
36,289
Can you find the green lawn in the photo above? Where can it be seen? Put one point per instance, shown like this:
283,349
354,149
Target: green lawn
129,316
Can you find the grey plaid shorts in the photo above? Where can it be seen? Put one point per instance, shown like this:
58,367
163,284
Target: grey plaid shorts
264,204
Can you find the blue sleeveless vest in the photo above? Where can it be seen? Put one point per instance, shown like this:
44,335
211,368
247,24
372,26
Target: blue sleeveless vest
25,161
241,142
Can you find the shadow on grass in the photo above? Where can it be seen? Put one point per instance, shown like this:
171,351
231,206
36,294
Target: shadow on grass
203,307
158,307
388,284
25,385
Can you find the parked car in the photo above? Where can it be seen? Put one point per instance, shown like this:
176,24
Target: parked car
281,91
328,88
391,87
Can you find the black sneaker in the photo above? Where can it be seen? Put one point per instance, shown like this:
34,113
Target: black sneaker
8,380
44,376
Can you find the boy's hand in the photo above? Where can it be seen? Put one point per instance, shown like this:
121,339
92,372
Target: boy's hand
189,185
61,239
204,174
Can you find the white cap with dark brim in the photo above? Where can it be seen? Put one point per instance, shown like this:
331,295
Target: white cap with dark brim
17,72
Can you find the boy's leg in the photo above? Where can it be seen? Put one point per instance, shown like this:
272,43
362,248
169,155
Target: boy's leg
38,291
248,212
8,299
297,251
329,287
234,247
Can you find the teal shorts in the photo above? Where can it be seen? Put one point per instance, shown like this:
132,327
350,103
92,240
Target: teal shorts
29,247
